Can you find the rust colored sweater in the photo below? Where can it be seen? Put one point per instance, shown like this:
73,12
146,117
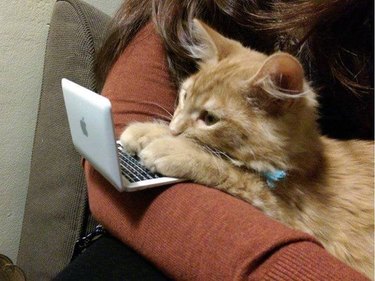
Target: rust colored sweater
189,231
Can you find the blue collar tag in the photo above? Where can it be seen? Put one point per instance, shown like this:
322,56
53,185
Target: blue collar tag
272,177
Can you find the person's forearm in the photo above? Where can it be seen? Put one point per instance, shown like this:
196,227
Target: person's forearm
193,232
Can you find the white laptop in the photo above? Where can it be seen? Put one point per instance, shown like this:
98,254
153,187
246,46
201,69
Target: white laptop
92,130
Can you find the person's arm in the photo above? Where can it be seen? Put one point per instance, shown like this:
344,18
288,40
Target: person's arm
189,231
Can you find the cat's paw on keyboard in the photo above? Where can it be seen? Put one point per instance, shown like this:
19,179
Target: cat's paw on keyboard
138,135
170,156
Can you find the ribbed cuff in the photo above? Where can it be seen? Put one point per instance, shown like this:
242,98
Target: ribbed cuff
304,261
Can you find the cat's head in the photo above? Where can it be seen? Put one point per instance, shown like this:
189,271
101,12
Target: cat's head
257,109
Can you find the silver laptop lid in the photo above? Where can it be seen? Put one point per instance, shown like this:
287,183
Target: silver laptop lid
91,127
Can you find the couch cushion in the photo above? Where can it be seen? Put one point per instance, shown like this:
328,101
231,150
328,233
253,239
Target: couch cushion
56,204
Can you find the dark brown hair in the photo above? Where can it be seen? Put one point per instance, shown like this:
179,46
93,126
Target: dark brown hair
332,38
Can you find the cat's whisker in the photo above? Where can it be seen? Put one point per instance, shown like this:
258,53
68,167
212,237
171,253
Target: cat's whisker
222,155
166,111
163,118
170,115
216,157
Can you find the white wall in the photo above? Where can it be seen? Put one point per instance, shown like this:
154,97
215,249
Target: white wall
23,33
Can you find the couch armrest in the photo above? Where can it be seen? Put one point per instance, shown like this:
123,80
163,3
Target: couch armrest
56,203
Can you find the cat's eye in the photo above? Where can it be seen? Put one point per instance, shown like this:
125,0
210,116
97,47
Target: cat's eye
208,118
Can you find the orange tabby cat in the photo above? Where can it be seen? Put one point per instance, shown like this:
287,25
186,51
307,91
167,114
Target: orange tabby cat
246,124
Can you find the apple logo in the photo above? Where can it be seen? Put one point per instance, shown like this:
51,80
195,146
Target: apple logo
83,127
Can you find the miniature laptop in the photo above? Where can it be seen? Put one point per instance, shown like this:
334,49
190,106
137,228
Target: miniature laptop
91,127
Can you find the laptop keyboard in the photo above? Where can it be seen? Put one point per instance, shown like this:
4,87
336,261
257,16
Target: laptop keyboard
132,169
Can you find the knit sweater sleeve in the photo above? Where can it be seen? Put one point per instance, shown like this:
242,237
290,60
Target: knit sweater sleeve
189,231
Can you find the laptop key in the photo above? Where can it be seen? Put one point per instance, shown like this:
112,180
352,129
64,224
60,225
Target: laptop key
132,169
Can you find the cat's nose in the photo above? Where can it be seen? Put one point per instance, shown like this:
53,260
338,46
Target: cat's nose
174,127
178,125
174,131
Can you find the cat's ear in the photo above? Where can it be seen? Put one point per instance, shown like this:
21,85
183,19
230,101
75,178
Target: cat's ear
210,46
281,80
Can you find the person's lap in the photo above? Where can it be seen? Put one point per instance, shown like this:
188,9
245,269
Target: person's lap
109,259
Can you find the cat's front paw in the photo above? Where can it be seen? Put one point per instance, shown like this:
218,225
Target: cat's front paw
138,135
168,156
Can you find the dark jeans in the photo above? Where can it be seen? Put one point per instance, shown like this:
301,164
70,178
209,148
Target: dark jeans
109,259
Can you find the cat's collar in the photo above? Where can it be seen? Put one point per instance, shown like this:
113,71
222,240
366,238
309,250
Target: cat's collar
273,177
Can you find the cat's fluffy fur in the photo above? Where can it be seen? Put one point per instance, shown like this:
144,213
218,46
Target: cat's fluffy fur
244,113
